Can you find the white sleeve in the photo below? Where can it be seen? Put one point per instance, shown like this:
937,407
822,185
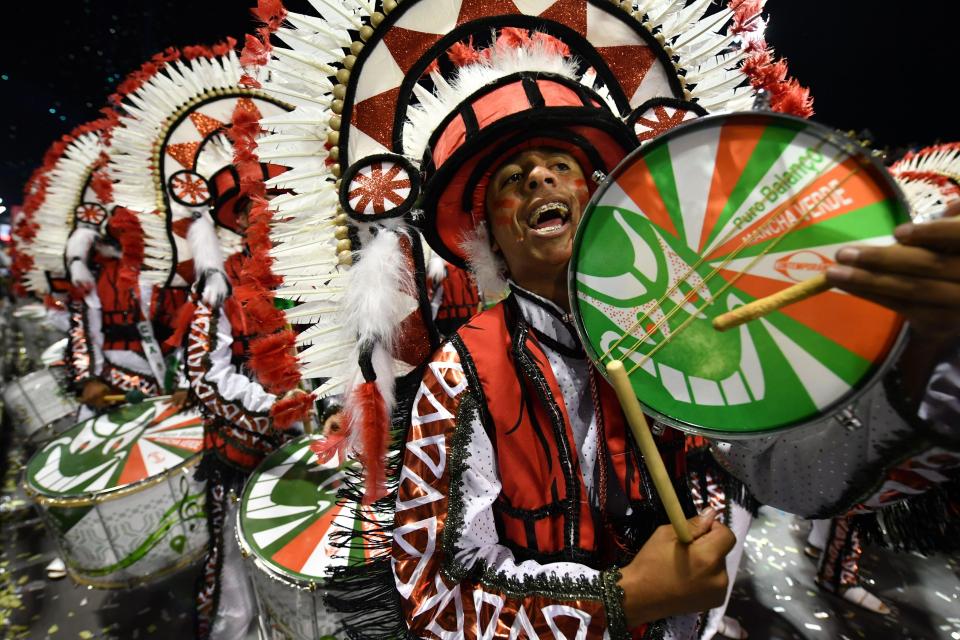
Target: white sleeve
93,316
230,384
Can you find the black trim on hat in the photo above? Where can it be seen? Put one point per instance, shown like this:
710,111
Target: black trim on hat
532,88
527,77
470,125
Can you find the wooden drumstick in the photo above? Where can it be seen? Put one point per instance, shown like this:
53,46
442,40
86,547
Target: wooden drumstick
764,306
651,455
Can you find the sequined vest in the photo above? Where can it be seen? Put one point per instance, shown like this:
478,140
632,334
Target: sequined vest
543,511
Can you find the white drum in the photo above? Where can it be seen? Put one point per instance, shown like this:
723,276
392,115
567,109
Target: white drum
117,493
39,405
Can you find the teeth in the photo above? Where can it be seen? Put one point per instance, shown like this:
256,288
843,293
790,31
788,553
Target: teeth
550,206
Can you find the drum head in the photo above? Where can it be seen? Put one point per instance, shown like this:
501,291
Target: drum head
289,509
715,214
116,451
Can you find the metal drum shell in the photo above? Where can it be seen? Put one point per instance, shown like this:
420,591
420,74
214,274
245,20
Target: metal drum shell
25,411
283,599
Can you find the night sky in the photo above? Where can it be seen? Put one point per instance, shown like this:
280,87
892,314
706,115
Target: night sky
62,59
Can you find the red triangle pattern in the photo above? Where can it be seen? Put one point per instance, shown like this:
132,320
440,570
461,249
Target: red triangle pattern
629,63
572,13
247,105
184,152
470,11
180,227
374,116
205,124
407,46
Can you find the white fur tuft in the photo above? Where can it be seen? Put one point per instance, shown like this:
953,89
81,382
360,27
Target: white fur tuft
489,271
379,296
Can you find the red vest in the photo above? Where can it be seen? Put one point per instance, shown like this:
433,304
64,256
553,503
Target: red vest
120,310
543,511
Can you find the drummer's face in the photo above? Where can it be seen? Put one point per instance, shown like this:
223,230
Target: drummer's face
534,202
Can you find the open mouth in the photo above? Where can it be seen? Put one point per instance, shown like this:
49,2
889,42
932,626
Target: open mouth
549,218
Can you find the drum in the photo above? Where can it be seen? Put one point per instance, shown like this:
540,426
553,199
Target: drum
39,405
287,513
117,493
714,214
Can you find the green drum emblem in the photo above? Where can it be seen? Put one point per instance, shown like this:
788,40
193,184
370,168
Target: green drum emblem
714,215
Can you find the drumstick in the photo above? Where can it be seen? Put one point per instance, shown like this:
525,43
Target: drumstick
651,456
764,306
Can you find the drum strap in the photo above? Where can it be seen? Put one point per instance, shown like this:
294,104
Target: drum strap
151,351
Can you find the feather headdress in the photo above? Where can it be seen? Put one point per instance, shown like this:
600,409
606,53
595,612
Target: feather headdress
71,192
930,179
172,148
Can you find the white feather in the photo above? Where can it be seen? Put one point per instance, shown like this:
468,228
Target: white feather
489,271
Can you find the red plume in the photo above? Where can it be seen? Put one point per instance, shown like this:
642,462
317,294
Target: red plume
367,412
272,359
295,408
125,227
181,324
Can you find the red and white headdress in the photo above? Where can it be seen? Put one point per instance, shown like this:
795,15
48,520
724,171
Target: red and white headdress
390,96
173,159
71,200
930,179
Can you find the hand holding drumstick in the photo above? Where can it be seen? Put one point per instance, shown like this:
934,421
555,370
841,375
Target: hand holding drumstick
918,277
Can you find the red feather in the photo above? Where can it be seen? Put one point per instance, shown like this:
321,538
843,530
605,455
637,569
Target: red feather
296,408
125,227
181,324
367,412
325,449
270,12
272,359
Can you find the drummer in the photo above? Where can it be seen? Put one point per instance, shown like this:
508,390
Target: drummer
478,541
108,329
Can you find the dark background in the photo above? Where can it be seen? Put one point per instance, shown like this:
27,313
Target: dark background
872,64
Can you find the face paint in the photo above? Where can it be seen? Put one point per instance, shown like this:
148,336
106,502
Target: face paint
534,202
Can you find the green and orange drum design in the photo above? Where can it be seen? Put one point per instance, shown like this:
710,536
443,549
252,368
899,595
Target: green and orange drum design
118,494
287,514
715,214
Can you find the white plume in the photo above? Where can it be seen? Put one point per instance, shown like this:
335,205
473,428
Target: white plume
489,271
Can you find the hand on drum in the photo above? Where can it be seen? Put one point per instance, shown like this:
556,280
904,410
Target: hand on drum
919,277
668,578
94,392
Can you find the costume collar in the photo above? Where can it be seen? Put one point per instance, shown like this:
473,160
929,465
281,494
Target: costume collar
550,323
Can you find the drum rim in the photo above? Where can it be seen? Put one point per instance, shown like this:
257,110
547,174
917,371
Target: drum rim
247,550
830,135
90,498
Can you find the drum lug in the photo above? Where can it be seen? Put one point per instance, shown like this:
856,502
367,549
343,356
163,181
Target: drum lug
598,176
